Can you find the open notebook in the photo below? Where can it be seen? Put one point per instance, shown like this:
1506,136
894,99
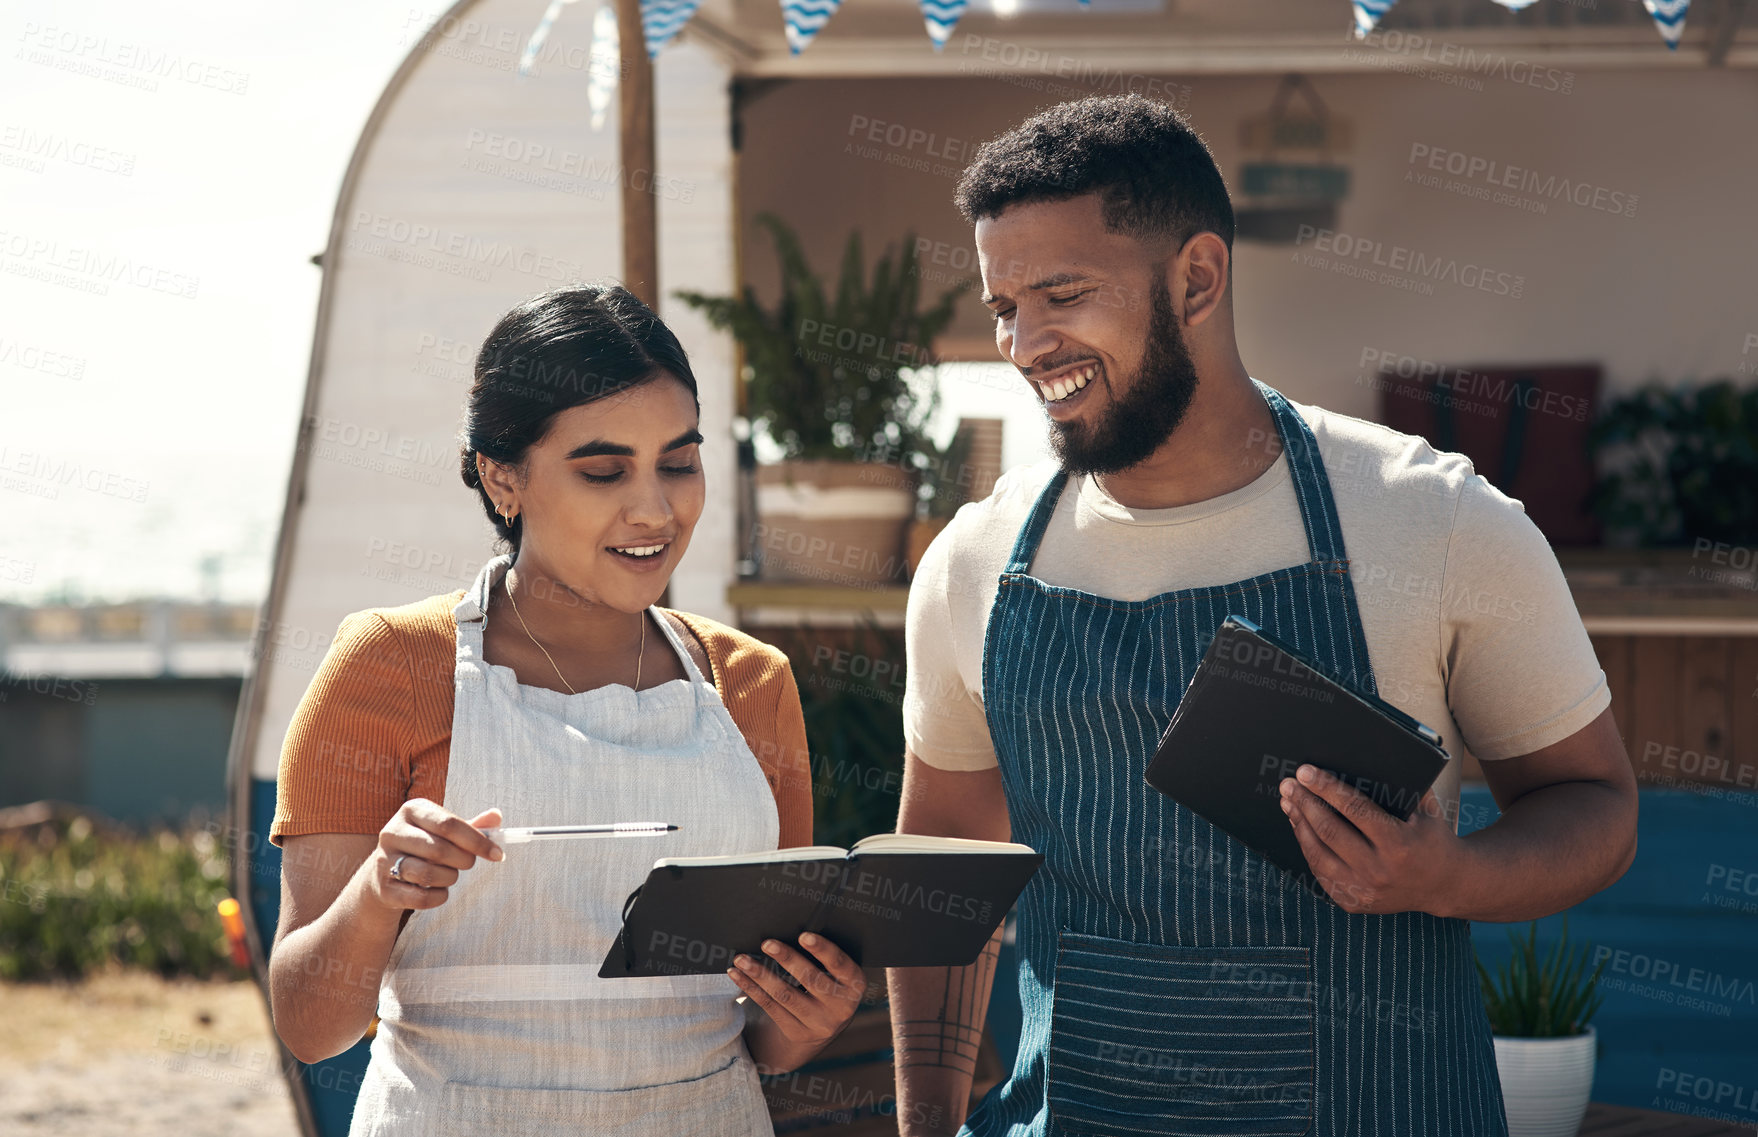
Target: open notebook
893,900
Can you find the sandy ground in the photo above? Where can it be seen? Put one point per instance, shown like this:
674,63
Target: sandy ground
132,1054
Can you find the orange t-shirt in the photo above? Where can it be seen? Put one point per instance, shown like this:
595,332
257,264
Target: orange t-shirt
374,729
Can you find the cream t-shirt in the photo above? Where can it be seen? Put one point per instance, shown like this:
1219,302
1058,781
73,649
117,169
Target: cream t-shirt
1470,625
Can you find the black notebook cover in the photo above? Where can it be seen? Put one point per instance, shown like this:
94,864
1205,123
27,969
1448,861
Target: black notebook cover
1254,712
885,909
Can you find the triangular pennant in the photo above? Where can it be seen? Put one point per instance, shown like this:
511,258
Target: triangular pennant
663,19
606,63
1368,13
805,19
941,16
1669,17
539,34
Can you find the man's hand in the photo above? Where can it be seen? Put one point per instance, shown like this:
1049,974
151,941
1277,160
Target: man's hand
1366,859
1567,830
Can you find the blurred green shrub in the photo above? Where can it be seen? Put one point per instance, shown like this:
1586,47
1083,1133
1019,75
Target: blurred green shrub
1678,465
74,899
854,730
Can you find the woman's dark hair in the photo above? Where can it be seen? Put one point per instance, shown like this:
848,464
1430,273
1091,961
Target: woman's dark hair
559,350
1155,178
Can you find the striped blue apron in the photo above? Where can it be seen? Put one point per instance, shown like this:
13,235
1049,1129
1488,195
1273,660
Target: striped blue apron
1172,981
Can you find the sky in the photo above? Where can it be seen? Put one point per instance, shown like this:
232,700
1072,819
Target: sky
167,171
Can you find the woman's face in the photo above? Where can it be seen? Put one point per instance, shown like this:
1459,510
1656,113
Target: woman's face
611,495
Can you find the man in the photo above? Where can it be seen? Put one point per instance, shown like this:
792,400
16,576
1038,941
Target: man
1172,981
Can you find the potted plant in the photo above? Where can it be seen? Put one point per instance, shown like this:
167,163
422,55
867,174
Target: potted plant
1545,1049
827,384
946,485
1678,465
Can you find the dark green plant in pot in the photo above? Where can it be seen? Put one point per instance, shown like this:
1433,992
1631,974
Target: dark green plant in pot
854,731
1679,465
1549,998
826,369
946,475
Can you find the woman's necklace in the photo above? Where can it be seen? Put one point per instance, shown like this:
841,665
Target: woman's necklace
639,652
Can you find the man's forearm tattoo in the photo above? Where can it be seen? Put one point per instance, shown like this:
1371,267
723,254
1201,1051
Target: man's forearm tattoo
950,1038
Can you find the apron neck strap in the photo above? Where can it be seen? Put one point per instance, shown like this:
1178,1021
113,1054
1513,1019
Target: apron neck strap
697,679
474,605
1312,491
1026,544
1312,487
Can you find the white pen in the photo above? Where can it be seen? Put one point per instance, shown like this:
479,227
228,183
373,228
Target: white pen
519,836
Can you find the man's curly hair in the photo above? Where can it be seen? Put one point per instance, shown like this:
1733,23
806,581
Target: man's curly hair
1155,178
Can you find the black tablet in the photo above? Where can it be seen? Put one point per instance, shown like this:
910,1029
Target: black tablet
1254,712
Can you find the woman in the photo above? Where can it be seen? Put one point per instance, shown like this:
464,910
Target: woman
551,691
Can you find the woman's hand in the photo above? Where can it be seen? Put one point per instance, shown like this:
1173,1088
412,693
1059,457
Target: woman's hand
434,845
808,1016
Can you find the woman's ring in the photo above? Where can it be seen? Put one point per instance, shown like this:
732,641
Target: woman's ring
397,869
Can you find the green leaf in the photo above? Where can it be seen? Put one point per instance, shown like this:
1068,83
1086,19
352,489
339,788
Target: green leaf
1534,997
1676,465
825,373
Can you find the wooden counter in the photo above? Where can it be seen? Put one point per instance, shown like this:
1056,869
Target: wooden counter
1675,630
1677,635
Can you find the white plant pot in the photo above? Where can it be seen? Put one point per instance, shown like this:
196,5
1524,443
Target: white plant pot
835,523
1546,1082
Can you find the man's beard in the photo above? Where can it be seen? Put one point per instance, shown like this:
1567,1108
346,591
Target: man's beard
1144,410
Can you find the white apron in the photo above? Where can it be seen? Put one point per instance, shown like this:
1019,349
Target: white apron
492,1017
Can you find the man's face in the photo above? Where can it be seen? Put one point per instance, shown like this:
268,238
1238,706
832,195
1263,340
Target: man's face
1086,316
